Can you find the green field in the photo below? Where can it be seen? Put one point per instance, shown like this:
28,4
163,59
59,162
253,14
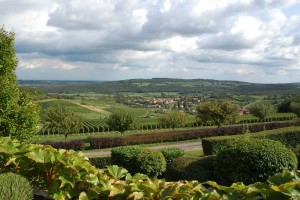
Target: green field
141,116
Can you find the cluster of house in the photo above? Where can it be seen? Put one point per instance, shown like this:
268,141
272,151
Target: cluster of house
166,104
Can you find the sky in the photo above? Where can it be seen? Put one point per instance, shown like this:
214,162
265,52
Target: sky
246,40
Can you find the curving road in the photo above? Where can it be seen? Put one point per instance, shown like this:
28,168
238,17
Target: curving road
184,146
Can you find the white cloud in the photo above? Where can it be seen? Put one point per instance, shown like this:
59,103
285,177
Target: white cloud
210,38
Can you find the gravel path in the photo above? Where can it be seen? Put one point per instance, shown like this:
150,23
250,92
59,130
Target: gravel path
185,146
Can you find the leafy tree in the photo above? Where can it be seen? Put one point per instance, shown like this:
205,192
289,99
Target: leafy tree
218,112
173,119
261,109
285,106
120,121
295,105
63,120
19,116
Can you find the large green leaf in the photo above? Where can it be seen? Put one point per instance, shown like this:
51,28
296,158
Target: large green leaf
284,177
116,172
42,155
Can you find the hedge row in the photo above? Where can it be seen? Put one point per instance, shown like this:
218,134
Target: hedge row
77,145
289,136
89,127
108,142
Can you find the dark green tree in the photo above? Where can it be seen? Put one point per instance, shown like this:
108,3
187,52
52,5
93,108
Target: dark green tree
295,105
285,106
218,112
19,116
63,120
261,109
120,121
173,119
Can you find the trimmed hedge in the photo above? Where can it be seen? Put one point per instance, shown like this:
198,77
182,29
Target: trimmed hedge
77,145
125,156
191,168
14,186
150,162
184,135
251,160
289,136
106,142
171,153
101,162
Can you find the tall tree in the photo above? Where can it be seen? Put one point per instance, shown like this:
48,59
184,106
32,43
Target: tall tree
173,119
120,121
218,112
261,109
63,120
19,116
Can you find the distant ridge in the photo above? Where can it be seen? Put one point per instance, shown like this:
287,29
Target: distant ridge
160,85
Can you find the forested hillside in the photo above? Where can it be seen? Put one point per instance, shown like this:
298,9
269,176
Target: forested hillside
181,86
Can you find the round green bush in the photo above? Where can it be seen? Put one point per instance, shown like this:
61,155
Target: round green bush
251,160
100,162
125,156
191,168
171,153
14,186
150,162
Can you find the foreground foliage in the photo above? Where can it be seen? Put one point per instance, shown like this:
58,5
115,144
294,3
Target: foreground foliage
69,174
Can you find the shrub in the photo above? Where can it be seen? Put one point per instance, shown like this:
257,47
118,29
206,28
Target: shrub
171,153
14,186
100,162
106,142
77,145
250,160
289,136
191,168
125,156
150,162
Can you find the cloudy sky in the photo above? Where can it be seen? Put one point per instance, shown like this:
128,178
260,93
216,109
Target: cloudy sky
248,40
